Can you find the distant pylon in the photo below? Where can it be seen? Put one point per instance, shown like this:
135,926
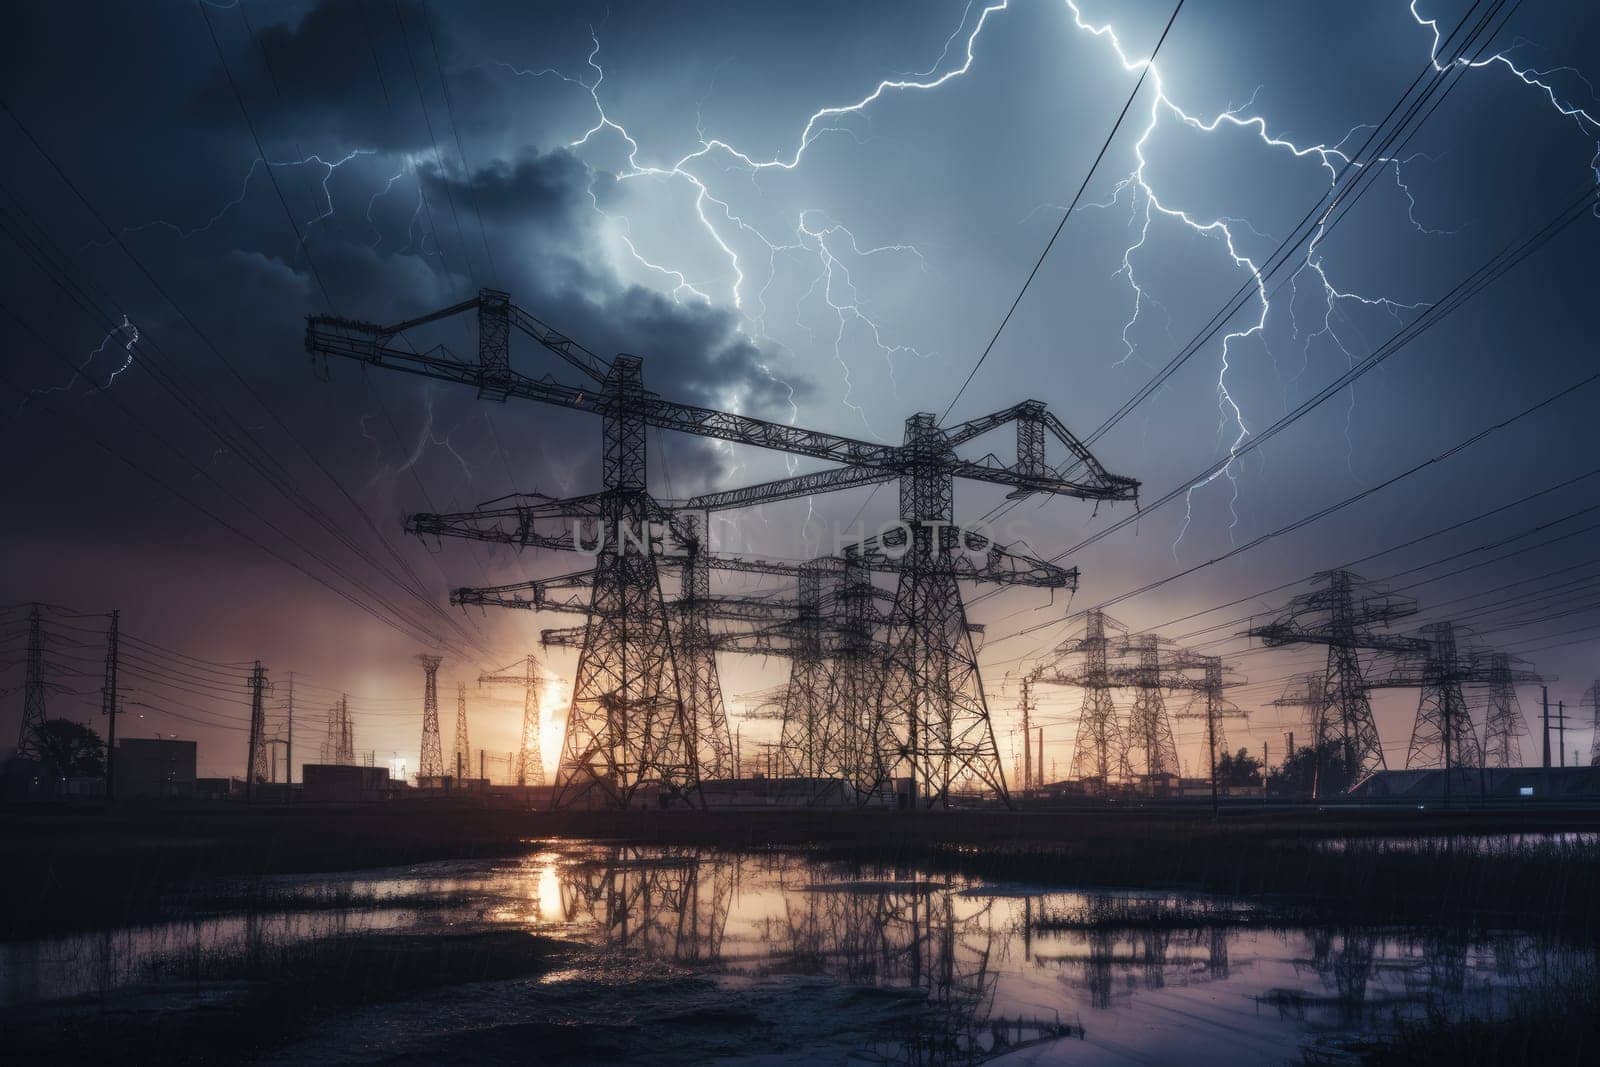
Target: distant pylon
33,704
1443,734
257,769
1151,745
1345,616
1591,700
347,734
339,748
463,753
1503,726
1099,751
432,765
528,762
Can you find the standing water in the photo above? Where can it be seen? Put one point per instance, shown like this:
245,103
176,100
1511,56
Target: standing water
660,954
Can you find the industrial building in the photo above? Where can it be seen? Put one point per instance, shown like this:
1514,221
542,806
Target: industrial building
1466,784
332,783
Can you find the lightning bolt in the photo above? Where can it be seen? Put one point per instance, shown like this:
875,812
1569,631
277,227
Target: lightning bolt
818,239
184,233
124,329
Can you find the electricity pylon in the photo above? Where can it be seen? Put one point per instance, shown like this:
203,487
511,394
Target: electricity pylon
463,751
1591,700
1443,734
432,765
1208,681
339,747
1344,615
1149,740
33,688
628,726
529,767
256,764
1503,725
1100,750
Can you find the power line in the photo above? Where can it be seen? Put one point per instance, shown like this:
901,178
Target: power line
1104,146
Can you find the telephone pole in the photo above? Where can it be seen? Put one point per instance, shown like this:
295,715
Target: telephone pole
108,708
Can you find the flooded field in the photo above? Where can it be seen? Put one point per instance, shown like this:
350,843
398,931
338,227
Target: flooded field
590,952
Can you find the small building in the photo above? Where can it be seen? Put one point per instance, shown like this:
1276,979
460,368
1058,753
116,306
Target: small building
217,788
1467,784
332,783
154,768
751,793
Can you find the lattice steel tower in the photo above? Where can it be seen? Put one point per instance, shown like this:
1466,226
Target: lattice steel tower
1151,745
1503,725
1344,615
432,765
1100,749
528,765
33,688
463,751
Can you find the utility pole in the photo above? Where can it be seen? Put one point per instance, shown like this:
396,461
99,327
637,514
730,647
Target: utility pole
1027,735
1561,730
1040,772
1266,763
1544,700
108,708
738,752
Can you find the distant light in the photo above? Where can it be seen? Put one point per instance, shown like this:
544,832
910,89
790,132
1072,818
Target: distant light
1526,790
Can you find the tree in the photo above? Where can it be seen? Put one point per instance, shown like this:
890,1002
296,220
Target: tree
1240,768
1296,775
70,749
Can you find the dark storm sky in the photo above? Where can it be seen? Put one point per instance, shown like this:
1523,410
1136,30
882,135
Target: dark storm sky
424,152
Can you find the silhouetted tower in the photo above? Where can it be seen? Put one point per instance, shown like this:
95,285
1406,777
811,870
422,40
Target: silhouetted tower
108,704
1151,746
1209,704
33,688
1443,735
432,765
628,726
463,752
347,734
698,679
810,737
339,748
1503,726
528,764
1025,704
1591,700
1344,615
256,768
1100,752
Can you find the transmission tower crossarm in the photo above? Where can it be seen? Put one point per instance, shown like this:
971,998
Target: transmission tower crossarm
801,485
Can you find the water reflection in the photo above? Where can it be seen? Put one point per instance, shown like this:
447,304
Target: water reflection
958,972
